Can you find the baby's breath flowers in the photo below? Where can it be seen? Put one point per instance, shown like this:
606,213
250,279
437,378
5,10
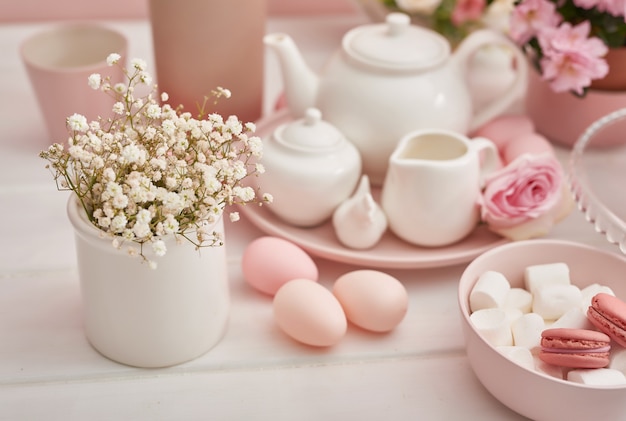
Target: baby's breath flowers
151,170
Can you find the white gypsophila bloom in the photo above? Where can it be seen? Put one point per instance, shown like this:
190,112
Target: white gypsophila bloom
170,225
250,126
119,109
159,163
173,202
234,216
153,111
150,133
94,81
138,64
131,153
152,264
259,168
188,197
104,221
424,7
223,91
141,230
256,146
118,223
109,174
145,78
164,96
239,170
113,189
119,201
267,197
97,162
159,248
244,193
120,88
78,122
143,216
168,127
113,58
233,125
171,182
94,141
212,184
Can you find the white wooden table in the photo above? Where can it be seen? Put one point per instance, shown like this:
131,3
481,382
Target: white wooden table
49,371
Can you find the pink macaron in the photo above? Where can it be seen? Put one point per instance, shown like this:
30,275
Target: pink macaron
608,313
575,348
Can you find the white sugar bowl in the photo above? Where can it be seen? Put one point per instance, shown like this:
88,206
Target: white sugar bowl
310,169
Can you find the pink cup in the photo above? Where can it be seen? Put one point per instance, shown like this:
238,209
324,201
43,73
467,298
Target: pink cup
59,62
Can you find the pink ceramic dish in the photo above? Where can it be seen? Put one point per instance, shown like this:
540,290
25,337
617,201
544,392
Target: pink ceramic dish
390,252
525,391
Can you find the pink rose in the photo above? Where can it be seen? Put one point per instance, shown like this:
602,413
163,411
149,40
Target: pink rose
526,198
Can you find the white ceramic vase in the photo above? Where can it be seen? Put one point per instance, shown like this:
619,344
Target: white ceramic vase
147,317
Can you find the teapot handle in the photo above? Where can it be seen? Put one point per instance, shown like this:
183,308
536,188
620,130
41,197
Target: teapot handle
465,51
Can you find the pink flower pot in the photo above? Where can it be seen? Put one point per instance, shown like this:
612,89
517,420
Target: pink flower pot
563,117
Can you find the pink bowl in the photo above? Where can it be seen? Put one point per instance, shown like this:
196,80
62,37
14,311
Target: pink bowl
529,393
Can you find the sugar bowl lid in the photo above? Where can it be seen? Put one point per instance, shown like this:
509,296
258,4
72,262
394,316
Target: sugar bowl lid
310,133
396,44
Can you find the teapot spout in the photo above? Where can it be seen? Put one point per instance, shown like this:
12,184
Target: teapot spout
299,80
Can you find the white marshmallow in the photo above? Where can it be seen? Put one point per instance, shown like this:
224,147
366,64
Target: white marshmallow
574,318
549,369
519,355
519,298
553,301
527,330
490,291
512,314
597,376
589,291
537,276
494,326
618,358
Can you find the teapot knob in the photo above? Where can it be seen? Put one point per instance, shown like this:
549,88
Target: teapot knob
312,116
397,23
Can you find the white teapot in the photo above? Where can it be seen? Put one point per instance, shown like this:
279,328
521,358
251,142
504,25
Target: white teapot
389,79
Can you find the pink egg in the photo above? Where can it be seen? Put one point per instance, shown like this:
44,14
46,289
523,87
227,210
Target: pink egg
532,143
269,262
309,313
502,130
371,299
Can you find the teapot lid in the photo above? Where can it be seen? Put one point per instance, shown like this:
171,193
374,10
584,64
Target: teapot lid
396,44
309,133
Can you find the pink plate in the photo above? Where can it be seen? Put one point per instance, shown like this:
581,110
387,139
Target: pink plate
390,252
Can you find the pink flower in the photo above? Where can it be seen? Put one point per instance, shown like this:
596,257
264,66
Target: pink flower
526,198
613,7
467,10
530,16
571,59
